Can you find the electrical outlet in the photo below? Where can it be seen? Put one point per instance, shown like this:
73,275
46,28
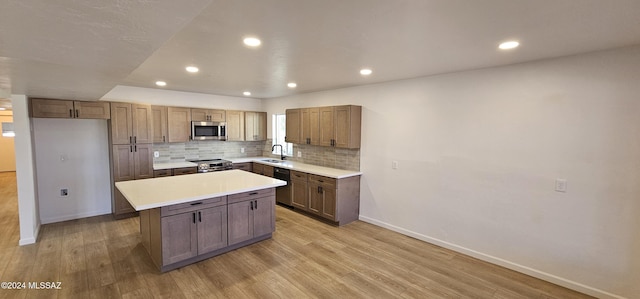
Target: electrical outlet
394,164
64,192
561,185
242,150
299,154
156,154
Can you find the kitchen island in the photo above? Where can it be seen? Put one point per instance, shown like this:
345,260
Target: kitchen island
189,218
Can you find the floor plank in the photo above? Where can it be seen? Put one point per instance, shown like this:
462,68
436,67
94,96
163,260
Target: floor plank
100,257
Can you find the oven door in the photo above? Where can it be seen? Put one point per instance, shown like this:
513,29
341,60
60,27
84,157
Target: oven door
204,130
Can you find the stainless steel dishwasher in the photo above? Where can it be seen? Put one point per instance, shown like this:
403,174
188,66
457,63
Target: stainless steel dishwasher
283,194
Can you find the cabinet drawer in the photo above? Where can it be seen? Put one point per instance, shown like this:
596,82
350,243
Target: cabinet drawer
242,166
252,195
186,170
192,206
161,173
323,180
300,176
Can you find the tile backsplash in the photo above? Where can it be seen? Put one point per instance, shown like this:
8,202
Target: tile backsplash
348,159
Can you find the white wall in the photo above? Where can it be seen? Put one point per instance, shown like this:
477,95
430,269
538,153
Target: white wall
180,99
479,153
73,154
7,146
25,172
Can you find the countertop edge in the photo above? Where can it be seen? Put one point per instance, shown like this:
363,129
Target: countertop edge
348,173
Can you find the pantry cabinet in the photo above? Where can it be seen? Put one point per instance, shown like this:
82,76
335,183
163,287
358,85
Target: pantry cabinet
50,108
131,123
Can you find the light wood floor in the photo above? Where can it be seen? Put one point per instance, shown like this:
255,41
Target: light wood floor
99,257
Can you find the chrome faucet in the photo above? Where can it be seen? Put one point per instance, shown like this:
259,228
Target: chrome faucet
282,157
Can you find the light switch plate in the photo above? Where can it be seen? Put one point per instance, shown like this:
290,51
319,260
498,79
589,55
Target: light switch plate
299,154
561,185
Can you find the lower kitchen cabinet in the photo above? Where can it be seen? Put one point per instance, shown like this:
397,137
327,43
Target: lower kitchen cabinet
244,166
299,190
189,234
181,234
337,200
262,169
250,217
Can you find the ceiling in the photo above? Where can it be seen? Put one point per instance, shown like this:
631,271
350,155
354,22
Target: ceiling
82,49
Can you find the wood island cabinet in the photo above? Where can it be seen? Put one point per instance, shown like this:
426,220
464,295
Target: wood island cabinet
159,121
181,234
251,214
178,124
198,114
50,108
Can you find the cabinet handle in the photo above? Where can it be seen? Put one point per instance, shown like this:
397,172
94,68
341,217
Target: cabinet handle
135,139
251,205
199,216
131,148
163,139
256,204
196,203
319,189
70,113
194,217
253,193
130,139
77,113
135,148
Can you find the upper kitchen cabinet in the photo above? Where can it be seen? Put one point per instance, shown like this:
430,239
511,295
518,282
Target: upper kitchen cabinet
131,123
159,119
336,126
47,108
293,126
235,125
179,124
208,115
255,126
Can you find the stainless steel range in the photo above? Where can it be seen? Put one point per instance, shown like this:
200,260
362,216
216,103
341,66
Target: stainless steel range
213,165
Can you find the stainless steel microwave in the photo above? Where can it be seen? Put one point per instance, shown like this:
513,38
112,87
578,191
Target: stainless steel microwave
207,130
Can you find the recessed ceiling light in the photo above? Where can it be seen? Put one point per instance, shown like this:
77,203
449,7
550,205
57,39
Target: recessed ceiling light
192,69
366,72
252,41
509,45
161,83
292,85
246,93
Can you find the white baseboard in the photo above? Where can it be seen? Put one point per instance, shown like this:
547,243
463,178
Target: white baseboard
73,216
30,240
498,261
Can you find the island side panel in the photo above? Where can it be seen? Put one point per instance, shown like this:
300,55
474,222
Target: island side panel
155,237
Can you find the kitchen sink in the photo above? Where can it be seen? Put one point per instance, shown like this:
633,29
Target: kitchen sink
272,161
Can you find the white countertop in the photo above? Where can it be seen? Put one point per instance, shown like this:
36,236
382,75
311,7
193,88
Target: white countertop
298,166
170,165
164,191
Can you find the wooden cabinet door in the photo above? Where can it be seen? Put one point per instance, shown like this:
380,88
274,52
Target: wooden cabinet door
142,128
264,216
293,126
240,221
179,124
217,115
199,114
315,198
51,108
328,195
179,237
299,191
347,126
212,229
121,125
236,126
159,123
257,168
92,110
123,163
326,133
143,160
260,126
